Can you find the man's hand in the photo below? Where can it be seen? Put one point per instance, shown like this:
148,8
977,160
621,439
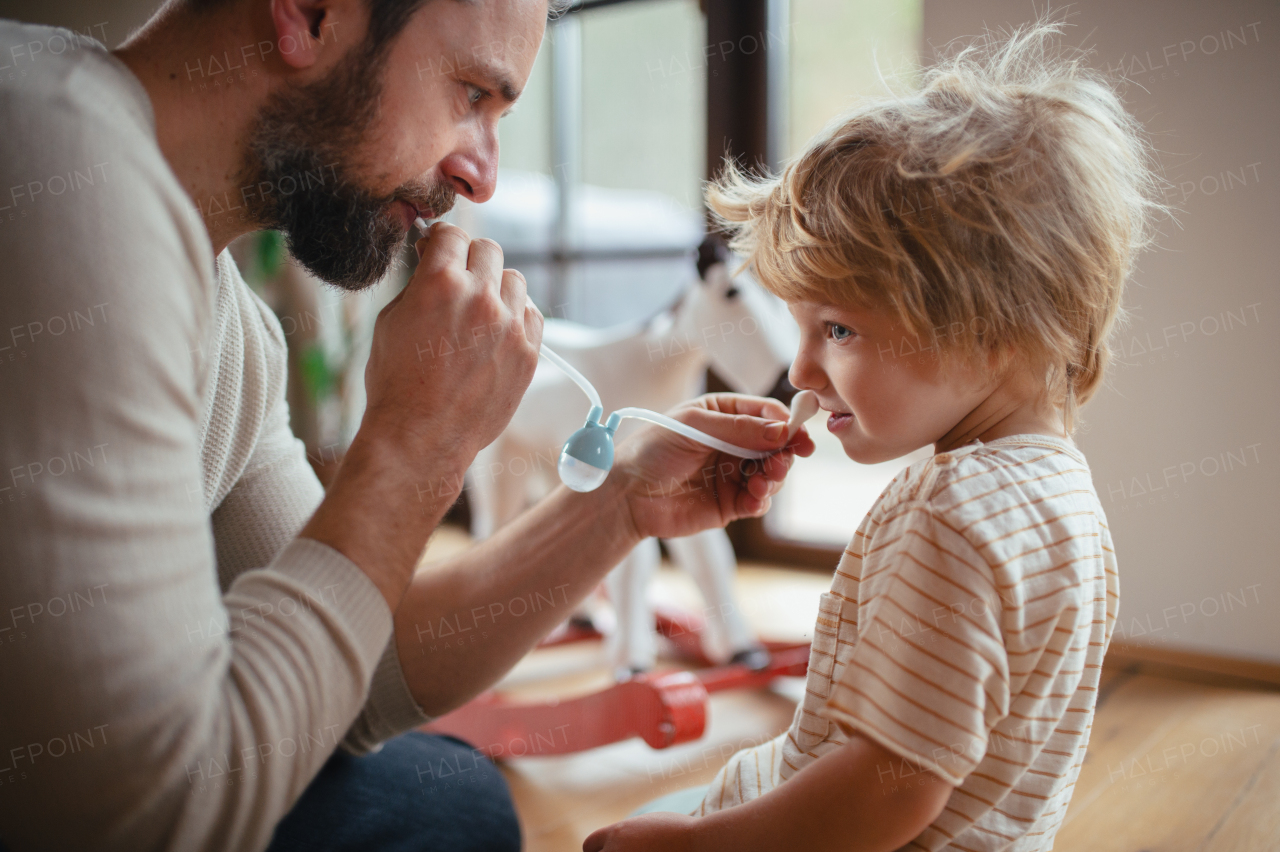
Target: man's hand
569,540
454,352
661,832
452,355
677,487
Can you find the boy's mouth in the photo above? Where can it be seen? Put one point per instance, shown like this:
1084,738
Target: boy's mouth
838,420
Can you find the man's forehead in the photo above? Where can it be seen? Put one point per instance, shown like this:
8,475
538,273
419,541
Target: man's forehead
497,42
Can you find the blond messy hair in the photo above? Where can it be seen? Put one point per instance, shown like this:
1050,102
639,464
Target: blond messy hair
1007,196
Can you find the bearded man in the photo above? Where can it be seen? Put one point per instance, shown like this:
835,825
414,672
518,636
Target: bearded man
199,647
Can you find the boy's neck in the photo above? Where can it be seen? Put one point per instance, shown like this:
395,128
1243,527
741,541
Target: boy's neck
1013,407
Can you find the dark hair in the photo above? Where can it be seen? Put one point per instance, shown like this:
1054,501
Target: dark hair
388,17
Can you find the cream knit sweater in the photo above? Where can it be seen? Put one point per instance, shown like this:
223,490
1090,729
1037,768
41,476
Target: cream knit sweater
175,664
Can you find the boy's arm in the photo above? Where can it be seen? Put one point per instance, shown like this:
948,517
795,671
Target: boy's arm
838,802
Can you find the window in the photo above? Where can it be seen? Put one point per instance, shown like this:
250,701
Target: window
599,194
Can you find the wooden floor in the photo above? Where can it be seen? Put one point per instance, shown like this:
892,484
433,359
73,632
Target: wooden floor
1173,765
1177,765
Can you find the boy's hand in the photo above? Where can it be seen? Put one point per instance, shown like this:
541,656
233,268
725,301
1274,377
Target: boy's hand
678,487
661,832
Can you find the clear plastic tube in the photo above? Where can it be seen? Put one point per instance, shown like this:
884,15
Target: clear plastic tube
569,370
689,432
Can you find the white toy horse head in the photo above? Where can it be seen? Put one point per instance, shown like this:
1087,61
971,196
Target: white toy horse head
751,337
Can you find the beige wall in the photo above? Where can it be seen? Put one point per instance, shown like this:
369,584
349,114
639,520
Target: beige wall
1183,445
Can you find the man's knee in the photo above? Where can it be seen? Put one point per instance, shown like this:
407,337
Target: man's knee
419,792
456,780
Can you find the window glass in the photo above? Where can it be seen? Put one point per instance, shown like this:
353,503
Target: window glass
643,102
838,50
644,98
524,136
637,204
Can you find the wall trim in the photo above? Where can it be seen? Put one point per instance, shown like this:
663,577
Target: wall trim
1176,662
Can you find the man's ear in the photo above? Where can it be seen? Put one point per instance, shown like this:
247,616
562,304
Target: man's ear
300,29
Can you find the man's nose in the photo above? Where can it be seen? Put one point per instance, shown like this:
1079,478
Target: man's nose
473,173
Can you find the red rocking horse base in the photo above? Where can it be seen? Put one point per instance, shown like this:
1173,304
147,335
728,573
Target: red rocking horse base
663,709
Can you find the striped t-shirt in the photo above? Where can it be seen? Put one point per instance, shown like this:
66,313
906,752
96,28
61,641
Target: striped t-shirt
964,632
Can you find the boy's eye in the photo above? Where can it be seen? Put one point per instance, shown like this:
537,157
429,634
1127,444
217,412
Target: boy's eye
838,332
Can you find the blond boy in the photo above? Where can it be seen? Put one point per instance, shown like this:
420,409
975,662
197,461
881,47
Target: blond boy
955,261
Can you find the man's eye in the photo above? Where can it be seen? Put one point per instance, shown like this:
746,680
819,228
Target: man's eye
838,332
474,93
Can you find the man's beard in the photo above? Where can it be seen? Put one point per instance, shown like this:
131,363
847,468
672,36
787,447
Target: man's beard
299,177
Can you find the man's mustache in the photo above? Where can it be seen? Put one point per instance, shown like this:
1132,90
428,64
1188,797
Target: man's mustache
435,199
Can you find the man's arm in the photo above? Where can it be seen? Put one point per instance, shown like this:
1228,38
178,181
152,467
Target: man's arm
452,355
466,621
209,712
839,802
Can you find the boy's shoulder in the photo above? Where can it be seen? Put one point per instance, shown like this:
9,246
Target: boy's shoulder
981,488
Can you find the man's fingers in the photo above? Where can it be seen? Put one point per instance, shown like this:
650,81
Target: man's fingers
801,443
747,501
595,840
775,467
513,291
738,403
753,423
484,262
444,247
534,323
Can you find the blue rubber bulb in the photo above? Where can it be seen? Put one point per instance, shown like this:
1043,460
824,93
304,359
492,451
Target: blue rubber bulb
587,455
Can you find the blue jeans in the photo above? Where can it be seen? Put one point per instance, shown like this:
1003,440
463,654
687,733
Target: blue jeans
420,792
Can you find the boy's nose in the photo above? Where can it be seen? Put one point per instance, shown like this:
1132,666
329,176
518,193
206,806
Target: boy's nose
805,375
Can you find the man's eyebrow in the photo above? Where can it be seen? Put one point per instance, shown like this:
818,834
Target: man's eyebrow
495,77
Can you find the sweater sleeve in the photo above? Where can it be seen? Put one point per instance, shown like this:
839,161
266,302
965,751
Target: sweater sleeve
143,708
269,503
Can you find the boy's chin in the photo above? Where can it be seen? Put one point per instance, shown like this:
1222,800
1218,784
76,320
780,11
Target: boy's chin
865,451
